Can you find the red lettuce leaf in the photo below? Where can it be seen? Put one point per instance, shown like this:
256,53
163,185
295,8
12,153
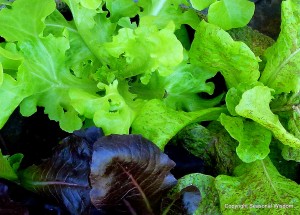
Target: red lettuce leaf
129,174
65,176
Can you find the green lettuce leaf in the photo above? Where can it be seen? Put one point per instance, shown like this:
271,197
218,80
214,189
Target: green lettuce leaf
256,41
255,105
209,203
282,71
9,166
146,49
160,12
79,58
47,79
253,138
201,5
13,93
181,89
93,26
235,60
258,184
112,112
234,95
20,23
9,57
231,13
159,123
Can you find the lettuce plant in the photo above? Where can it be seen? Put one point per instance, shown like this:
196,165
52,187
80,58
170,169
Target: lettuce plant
130,67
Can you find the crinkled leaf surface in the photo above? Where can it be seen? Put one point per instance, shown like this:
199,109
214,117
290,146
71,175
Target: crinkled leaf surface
255,105
111,112
48,80
234,60
180,90
146,49
258,183
231,13
128,171
65,176
283,59
159,123
43,78
78,56
256,41
253,138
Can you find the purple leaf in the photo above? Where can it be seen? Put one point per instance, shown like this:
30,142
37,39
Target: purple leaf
129,174
65,176
8,206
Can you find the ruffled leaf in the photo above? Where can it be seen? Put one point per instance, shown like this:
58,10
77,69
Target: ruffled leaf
255,105
254,139
255,185
282,70
237,64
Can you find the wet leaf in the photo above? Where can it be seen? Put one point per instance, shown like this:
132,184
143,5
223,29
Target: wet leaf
129,174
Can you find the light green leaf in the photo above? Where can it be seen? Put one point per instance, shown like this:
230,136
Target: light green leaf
234,95
160,12
21,23
110,112
159,123
254,140
12,94
122,8
1,74
282,70
79,58
201,4
94,28
91,4
255,105
46,78
231,13
146,49
9,166
10,57
258,184
234,60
